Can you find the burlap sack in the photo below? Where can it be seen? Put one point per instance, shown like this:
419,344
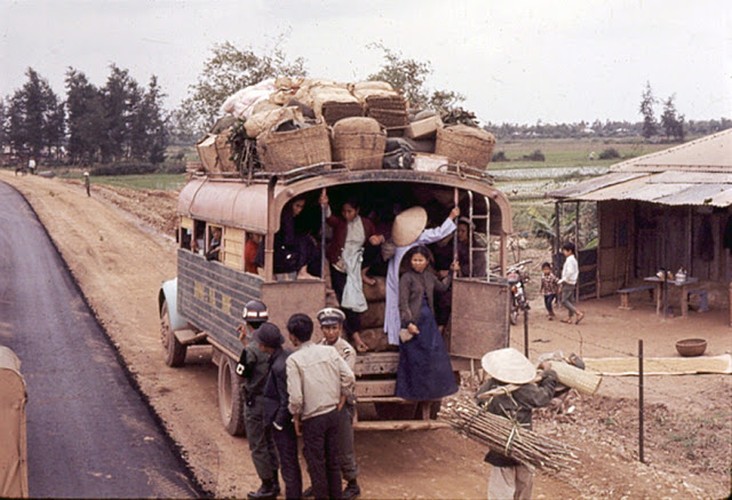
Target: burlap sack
356,124
265,106
373,317
261,122
376,292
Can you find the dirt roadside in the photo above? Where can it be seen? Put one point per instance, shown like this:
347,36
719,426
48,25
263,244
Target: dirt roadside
120,257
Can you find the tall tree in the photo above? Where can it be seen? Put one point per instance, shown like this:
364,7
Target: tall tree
120,95
228,70
85,117
3,124
148,135
35,117
646,109
671,121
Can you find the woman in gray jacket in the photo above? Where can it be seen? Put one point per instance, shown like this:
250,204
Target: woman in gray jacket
424,372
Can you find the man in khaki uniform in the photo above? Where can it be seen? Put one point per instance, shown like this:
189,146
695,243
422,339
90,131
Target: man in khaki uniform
318,383
331,324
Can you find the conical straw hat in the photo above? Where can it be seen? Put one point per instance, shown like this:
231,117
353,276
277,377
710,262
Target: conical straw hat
408,225
509,365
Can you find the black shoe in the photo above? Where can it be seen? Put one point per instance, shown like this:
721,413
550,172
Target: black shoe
308,493
352,490
268,491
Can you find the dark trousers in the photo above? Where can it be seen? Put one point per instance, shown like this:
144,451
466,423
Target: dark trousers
353,319
549,302
260,440
320,447
286,443
347,455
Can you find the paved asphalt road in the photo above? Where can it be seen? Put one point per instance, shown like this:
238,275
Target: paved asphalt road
89,432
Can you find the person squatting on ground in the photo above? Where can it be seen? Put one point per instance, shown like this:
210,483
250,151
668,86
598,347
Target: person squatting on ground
345,254
253,366
408,231
318,383
512,392
424,371
549,288
570,275
276,414
331,323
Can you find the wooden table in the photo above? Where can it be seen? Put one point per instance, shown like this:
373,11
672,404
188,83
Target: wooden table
684,286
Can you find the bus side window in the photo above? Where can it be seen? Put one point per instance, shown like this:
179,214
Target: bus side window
251,252
213,248
198,239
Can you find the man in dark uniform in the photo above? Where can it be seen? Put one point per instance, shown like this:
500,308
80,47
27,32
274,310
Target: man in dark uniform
253,366
276,414
513,391
318,383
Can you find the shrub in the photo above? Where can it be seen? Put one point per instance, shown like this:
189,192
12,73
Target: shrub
499,156
609,154
537,155
124,169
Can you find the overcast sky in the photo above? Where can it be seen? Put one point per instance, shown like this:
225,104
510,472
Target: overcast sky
515,61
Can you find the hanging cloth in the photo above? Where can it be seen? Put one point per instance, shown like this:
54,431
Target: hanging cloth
353,297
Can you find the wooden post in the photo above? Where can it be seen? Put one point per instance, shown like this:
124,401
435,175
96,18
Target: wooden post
640,401
526,332
577,249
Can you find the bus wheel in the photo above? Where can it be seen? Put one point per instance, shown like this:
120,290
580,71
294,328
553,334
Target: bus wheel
175,352
396,411
231,397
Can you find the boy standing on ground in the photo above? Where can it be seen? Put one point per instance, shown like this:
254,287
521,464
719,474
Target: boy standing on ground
318,383
549,288
570,275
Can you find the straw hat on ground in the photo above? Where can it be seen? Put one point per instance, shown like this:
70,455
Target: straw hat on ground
509,365
408,225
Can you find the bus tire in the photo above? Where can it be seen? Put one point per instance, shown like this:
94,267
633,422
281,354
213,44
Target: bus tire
231,397
175,352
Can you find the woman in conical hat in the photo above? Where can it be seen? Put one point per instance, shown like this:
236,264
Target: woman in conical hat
409,230
513,393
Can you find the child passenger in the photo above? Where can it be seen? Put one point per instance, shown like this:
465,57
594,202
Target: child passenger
549,288
345,254
424,371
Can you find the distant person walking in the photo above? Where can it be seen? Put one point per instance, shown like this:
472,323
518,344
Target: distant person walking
32,166
570,275
549,288
87,183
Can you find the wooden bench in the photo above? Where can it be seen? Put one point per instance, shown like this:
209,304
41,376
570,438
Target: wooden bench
625,294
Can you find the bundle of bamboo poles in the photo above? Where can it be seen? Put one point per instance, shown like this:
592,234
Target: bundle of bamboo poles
507,437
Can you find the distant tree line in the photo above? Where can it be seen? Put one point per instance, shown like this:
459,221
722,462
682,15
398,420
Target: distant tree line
121,121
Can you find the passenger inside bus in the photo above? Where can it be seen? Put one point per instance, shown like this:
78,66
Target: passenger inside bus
351,234
294,251
466,232
214,244
197,242
251,248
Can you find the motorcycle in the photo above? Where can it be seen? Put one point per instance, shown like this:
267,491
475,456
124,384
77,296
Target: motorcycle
517,277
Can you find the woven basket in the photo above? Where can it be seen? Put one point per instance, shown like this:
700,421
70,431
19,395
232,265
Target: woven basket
282,151
223,152
571,376
470,145
359,143
207,152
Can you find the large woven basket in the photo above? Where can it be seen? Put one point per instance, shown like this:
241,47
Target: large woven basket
223,152
283,151
358,143
470,145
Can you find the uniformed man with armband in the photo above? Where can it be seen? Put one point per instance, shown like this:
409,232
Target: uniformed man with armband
253,366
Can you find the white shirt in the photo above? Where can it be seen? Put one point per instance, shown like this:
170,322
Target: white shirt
570,271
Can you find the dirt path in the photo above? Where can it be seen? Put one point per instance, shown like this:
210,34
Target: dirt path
120,261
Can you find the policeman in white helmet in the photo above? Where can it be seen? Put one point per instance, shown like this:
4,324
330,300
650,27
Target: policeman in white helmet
253,366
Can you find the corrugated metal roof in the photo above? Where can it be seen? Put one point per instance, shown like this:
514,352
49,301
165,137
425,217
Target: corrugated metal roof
696,173
712,153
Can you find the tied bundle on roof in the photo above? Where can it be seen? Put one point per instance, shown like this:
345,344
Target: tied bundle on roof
358,143
507,437
382,103
330,100
470,145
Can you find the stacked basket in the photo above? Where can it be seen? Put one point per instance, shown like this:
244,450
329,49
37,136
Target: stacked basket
359,143
460,143
282,151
